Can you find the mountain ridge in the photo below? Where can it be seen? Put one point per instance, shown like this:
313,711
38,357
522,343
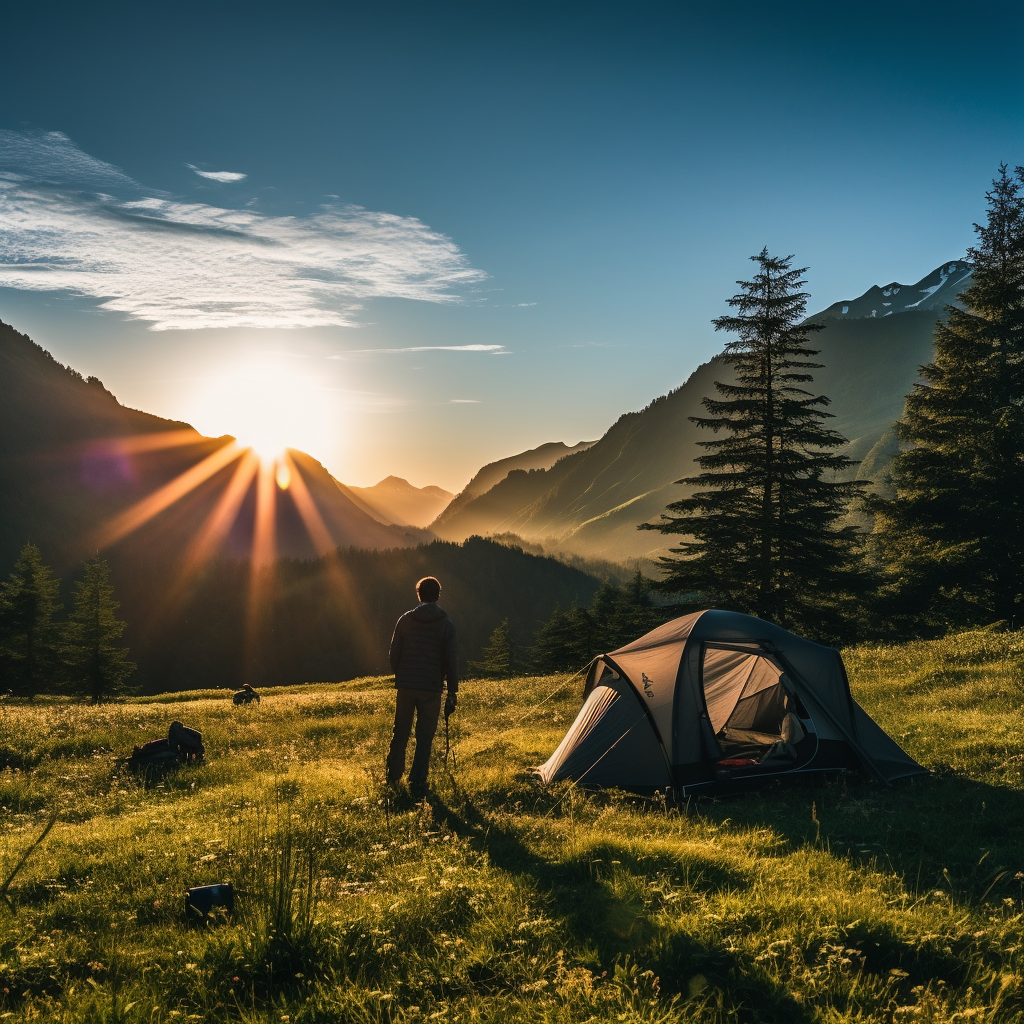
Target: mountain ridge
542,457
936,290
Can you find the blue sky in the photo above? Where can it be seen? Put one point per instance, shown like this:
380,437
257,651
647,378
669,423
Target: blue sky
554,199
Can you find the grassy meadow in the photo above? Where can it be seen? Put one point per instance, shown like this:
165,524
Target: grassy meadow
496,899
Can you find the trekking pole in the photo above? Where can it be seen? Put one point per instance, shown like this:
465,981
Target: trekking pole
448,748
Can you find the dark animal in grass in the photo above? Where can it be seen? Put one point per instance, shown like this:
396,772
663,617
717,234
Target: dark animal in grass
246,695
181,746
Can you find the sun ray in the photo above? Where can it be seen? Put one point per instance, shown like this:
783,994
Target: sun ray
221,519
262,574
144,510
138,443
323,542
211,534
264,539
327,548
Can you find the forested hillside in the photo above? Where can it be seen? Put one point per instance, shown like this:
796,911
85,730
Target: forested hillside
326,618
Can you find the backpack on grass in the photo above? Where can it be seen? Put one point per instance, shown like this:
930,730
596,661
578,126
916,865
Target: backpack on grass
181,746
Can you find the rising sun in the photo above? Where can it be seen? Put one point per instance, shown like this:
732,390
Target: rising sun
269,404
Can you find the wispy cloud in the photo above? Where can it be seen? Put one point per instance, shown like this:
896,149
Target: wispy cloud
73,223
465,401
494,350
52,158
224,176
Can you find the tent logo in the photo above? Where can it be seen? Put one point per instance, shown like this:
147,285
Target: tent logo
647,685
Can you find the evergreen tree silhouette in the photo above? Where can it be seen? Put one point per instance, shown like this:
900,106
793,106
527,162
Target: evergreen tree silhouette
762,529
29,632
100,667
565,642
499,655
607,614
952,537
637,615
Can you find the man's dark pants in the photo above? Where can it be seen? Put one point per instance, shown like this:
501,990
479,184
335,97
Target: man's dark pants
427,706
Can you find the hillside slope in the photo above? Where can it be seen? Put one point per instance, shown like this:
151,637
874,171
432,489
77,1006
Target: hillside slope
493,473
592,501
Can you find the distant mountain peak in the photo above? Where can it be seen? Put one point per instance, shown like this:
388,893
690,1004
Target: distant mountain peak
395,500
938,289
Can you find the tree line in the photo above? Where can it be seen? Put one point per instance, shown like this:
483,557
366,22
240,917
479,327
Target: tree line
296,621
572,636
42,653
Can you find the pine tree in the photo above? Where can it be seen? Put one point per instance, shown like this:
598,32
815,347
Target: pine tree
762,528
499,656
638,616
952,537
99,666
607,614
29,632
565,642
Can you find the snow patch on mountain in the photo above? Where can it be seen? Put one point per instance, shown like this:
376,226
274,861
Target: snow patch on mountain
938,289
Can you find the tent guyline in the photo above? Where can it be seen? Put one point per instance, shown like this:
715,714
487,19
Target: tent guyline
715,701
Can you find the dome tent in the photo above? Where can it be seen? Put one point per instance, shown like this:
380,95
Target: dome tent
719,700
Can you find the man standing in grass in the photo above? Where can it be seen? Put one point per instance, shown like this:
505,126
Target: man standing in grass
423,659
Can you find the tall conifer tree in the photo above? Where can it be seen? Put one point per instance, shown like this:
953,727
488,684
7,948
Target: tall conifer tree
952,537
606,613
29,632
565,642
638,616
762,529
500,654
100,667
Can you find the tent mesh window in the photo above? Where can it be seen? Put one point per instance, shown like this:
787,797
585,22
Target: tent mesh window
747,704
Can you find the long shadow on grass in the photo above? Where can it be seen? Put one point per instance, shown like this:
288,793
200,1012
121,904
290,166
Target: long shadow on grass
946,837
616,925
938,831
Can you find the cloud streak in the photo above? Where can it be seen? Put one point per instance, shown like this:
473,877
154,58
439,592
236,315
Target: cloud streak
494,350
223,176
69,222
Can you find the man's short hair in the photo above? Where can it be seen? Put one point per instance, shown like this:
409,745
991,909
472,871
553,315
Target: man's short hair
428,589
